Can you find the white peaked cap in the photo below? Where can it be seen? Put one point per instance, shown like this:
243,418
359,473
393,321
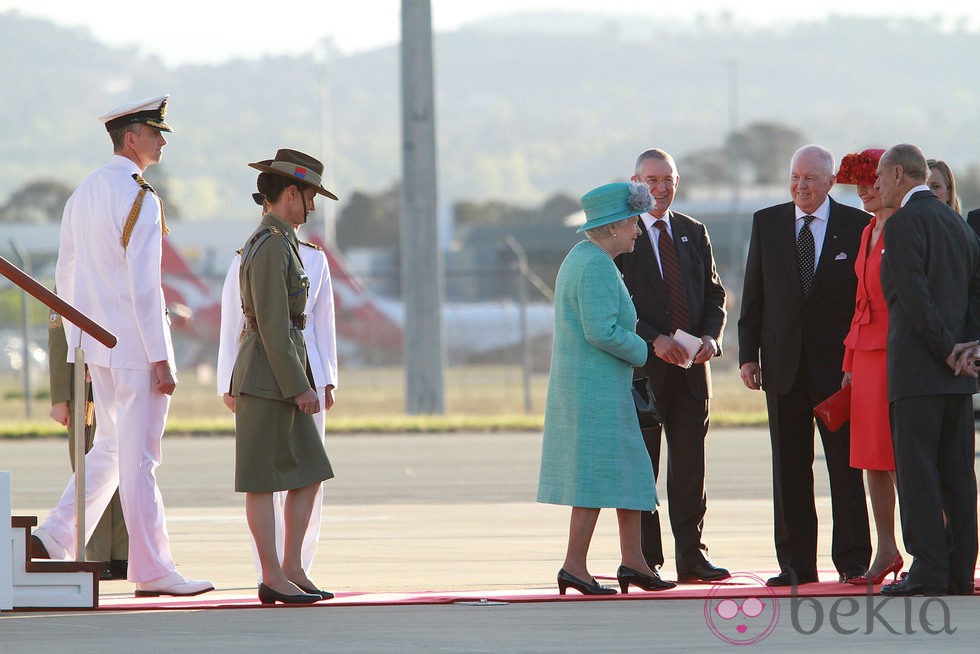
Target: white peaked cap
151,111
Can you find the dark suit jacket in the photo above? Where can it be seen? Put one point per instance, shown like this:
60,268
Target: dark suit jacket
973,218
777,325
930,273
705,295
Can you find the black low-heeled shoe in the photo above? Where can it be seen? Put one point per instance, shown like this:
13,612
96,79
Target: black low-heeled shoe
566,580
313,590
269,596
627,576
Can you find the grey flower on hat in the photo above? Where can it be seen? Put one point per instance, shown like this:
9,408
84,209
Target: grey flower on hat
640,198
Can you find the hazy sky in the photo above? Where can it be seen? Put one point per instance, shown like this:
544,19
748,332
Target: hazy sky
204,31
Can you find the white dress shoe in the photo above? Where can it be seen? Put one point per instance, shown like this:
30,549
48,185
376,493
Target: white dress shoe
173,584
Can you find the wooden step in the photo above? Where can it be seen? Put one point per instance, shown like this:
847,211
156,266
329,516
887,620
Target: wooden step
41,583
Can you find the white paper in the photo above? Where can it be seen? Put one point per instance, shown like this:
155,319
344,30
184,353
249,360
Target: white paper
692,344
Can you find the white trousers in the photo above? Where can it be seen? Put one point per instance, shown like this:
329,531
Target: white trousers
312,536
131,414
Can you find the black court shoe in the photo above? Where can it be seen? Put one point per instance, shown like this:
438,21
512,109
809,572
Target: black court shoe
313,590
565,580
627,576
269,596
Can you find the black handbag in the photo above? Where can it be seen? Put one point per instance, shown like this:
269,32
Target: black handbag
646,404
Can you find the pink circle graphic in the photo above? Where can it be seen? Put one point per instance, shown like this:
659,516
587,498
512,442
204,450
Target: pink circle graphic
744,620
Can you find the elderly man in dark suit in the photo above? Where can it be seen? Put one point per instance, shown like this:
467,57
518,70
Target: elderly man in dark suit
930,273
672,279
797,303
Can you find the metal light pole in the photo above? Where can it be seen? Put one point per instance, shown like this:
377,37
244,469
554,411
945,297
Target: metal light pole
735,165
328,207
421,261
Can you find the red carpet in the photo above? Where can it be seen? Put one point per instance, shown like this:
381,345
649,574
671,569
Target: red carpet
742,584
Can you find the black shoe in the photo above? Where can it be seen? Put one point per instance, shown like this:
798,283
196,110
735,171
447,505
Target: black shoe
269,596
907,588
703,572
627,576
324,594
565,580
119,568
960,588
789,579
38,550
106,574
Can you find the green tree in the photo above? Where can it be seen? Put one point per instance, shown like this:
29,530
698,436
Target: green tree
704,168
370,220
494,212
41,201
765,148
968,188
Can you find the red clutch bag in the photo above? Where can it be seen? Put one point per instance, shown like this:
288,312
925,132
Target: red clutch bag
836,409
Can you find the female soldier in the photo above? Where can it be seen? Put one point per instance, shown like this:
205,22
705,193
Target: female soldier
278,447
321,349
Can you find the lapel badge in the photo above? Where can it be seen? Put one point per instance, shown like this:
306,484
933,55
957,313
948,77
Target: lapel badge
683,239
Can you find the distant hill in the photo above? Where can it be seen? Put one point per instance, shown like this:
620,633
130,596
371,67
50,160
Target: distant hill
527,106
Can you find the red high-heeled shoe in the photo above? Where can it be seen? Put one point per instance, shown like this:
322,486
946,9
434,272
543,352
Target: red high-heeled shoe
894,568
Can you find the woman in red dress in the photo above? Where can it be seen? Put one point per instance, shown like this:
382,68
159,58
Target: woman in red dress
866,370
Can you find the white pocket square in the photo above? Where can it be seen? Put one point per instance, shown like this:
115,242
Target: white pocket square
841,257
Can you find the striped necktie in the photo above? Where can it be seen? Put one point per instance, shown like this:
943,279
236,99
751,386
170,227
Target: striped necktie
676,299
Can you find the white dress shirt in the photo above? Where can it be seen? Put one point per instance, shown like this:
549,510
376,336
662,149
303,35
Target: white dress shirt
818,227
908,196
649,225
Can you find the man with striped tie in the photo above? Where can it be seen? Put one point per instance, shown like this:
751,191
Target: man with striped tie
672,279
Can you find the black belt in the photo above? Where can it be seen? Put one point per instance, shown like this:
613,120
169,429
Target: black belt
295,322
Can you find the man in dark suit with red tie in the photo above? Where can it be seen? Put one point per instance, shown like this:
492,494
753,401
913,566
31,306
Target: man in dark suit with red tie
930,273
797,303
672,279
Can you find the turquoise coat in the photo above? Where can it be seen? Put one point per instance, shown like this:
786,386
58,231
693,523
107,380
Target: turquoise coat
593,453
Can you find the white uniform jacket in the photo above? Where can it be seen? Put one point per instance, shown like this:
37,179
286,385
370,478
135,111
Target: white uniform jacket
320,333
118,288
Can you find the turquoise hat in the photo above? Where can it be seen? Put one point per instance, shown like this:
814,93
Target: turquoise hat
613,202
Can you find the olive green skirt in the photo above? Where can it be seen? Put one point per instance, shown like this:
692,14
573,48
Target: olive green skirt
277,447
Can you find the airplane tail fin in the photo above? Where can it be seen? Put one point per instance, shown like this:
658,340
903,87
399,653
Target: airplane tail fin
360,317
190,303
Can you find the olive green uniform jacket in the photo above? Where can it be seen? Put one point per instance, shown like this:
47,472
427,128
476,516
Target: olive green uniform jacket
278,447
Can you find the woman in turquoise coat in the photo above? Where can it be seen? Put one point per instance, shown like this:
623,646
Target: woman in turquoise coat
593,455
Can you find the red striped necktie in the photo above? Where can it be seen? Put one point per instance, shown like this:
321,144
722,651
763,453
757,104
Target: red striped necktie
676,298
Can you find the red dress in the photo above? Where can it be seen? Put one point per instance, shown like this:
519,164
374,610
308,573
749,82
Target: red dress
864,358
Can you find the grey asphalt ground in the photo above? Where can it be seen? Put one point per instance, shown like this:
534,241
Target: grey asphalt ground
453,512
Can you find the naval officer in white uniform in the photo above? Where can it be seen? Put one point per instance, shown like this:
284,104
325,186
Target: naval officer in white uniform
321,349
109,259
